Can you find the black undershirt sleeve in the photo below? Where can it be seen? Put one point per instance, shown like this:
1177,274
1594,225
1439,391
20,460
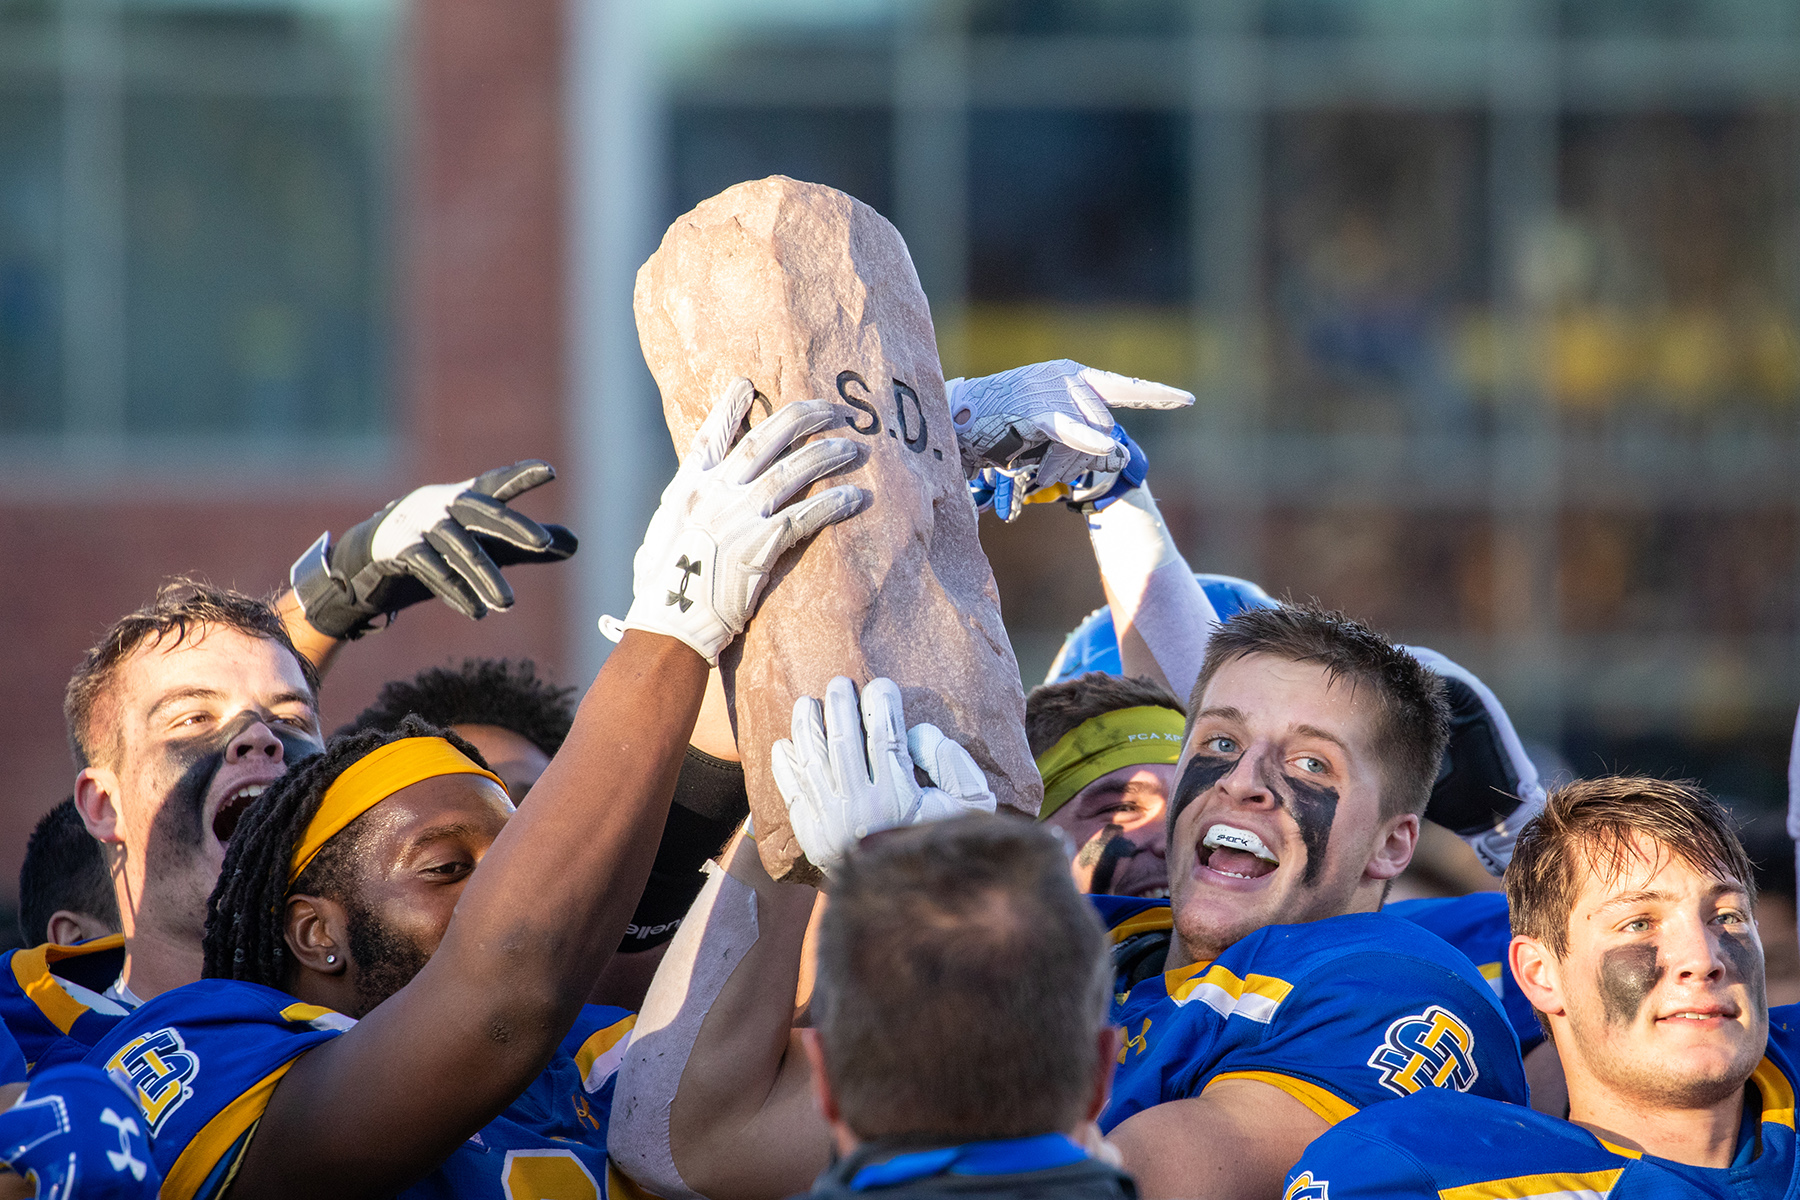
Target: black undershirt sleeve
711,801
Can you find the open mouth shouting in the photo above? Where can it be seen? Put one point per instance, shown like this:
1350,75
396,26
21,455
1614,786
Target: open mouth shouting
1236,853
232,808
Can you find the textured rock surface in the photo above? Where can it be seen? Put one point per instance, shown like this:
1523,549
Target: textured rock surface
808,292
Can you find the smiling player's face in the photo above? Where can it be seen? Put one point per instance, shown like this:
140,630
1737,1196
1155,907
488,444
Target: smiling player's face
1276,806
415,852
1662,984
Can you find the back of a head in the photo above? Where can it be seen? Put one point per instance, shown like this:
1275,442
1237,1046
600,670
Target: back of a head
1412,726
1052,710
64,870
1594,823
962,982
483,691
182,607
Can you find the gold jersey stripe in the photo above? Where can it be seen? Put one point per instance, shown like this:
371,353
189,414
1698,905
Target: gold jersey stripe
198,1158
32,970
1328,1106
1556,1185
1148,921
602,1053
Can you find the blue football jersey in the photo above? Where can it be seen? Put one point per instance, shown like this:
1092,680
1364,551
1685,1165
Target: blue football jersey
204,1059
1340,1014
1502,1150
52,992
12,1061
1478,925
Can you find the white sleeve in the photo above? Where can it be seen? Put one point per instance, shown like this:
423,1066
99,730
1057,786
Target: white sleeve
1153,589
719,931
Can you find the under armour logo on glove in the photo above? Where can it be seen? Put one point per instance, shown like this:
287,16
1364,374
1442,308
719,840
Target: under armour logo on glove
123,1159
76,1130
689,569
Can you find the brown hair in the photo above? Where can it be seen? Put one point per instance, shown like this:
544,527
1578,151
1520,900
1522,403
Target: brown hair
182,606
962,981
1053,709
1412,727
1593,823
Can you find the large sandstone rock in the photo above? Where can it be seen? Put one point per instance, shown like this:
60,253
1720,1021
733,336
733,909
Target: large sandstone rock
810,293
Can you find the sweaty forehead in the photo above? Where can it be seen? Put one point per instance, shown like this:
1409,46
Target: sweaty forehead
220,659
237,669
1276,697
471,808
1640,867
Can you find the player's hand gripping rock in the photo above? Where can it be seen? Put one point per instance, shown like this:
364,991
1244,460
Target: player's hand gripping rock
447,539
721,524
848,771
77,1135
1048,423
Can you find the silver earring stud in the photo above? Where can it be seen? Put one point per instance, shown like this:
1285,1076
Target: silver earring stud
330,958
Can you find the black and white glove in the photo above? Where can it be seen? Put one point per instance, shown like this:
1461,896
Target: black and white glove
1488,787
715,537
448,539
848,771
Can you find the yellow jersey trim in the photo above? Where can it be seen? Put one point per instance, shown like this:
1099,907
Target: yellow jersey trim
317,1016
1557,1185
1148,921
31,968
1621,1151
198,1158
1492,973
1254,996
1777,1093
602,1053
1328,1106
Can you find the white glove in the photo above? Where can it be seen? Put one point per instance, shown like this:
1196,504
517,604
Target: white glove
1056,411
717,533
836,796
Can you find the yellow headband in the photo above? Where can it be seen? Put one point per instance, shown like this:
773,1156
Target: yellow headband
1124,737
373,778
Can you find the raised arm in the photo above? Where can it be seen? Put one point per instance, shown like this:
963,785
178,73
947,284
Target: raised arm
714,1098
1160,613
449,540
374,1109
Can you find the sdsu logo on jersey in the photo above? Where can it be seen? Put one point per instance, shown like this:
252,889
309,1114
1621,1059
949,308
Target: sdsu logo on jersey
1305,1187
160,1071
1432,1049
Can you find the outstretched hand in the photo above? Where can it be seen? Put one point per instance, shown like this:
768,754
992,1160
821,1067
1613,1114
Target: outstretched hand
447,540
1035,428
848,772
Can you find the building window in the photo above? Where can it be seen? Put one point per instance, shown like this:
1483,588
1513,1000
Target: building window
193,218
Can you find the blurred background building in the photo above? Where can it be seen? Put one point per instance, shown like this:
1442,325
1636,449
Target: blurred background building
1492,307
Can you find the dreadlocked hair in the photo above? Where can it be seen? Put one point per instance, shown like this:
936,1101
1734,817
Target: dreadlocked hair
246,916
485,691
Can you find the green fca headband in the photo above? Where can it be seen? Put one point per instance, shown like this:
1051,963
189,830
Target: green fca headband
1124,737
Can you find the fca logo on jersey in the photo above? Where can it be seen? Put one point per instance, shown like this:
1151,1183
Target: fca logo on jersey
1432,1049
161,1071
